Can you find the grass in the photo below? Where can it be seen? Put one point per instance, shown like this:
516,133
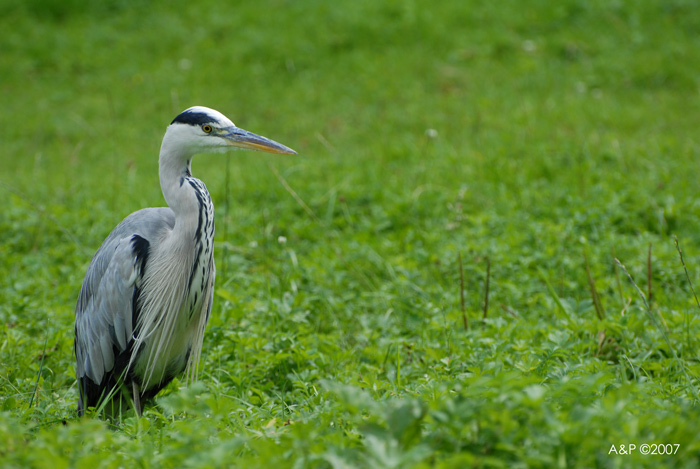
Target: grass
539,142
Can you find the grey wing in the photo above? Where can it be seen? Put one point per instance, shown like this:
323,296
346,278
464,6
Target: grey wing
106,309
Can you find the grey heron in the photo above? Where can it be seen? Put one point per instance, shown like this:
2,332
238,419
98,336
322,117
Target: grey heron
147,294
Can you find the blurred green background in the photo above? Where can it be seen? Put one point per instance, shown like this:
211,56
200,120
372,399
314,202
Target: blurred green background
534,135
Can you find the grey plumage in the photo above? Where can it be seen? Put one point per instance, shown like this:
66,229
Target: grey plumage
148,292
105,303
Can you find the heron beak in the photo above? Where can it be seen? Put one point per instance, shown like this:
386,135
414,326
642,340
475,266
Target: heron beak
248,140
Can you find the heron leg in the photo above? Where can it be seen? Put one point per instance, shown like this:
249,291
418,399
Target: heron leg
137,398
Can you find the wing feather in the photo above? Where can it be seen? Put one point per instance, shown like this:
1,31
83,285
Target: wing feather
105,312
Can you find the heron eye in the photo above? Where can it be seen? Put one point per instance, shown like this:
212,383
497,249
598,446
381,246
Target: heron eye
206,128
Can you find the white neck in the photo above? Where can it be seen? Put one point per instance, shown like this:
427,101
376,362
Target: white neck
174,169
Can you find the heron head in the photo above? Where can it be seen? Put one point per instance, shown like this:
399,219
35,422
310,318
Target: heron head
205,130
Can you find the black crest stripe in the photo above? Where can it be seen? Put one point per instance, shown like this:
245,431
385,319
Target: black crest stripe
193,118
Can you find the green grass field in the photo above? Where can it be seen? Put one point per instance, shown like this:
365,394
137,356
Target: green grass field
542,138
